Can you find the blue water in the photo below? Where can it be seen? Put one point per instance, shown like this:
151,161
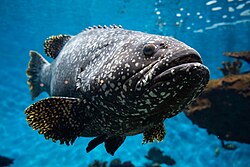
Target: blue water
25,24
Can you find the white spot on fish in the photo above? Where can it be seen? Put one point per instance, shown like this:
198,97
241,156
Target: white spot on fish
127,65
124,88
163,93
112,85
104,86
152,94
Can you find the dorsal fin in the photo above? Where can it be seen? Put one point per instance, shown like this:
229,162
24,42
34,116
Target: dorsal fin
103,27
54,44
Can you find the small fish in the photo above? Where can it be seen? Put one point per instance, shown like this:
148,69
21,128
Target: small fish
109,83
228,146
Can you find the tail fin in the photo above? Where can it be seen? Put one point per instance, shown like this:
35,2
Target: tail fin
36,64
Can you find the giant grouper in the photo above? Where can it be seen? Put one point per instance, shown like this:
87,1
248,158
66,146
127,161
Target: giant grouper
110,83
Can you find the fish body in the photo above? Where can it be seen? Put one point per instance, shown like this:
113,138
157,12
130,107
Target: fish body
109,83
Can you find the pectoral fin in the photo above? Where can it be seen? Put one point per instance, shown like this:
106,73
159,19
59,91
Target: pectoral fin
157,132
58,118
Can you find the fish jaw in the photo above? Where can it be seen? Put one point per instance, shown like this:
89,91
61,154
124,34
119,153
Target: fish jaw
173,88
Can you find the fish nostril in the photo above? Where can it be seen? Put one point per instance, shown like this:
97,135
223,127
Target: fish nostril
163,45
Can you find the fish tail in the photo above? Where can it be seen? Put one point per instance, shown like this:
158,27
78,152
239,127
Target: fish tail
34,72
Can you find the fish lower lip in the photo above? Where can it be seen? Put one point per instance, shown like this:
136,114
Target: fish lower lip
193,70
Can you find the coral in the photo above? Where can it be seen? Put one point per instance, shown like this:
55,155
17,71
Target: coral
231,68
118,163
98,163
223,108
114,163
157,157
245,55
234,67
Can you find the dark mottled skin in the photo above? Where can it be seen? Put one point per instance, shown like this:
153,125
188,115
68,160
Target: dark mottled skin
125,90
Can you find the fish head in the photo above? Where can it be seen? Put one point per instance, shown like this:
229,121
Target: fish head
150,75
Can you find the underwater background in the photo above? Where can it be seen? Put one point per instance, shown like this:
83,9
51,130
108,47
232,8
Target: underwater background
211,27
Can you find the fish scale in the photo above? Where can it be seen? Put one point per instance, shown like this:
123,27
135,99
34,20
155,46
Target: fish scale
110,83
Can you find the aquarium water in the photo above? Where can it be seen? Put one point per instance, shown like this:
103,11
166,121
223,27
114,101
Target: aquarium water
210,26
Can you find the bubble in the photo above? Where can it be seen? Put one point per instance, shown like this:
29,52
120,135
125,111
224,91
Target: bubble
240,6
158,12
188,14
198,13
230,9
198,31
211,2
245,13
178,15
216,8
200,17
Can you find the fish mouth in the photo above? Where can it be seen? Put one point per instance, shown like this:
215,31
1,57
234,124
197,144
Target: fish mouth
174,82
183,64
168,64
185,61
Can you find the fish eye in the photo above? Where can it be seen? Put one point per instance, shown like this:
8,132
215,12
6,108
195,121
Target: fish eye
149,49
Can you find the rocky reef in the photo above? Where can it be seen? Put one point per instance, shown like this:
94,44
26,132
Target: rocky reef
154,155
5,161
114,163
245,55
224,106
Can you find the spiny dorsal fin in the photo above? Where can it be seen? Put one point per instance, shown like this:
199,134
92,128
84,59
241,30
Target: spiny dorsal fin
54,44
59,118
103,27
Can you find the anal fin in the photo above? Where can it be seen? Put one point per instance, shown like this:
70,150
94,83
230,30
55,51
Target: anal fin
58,118
95,142
113,143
